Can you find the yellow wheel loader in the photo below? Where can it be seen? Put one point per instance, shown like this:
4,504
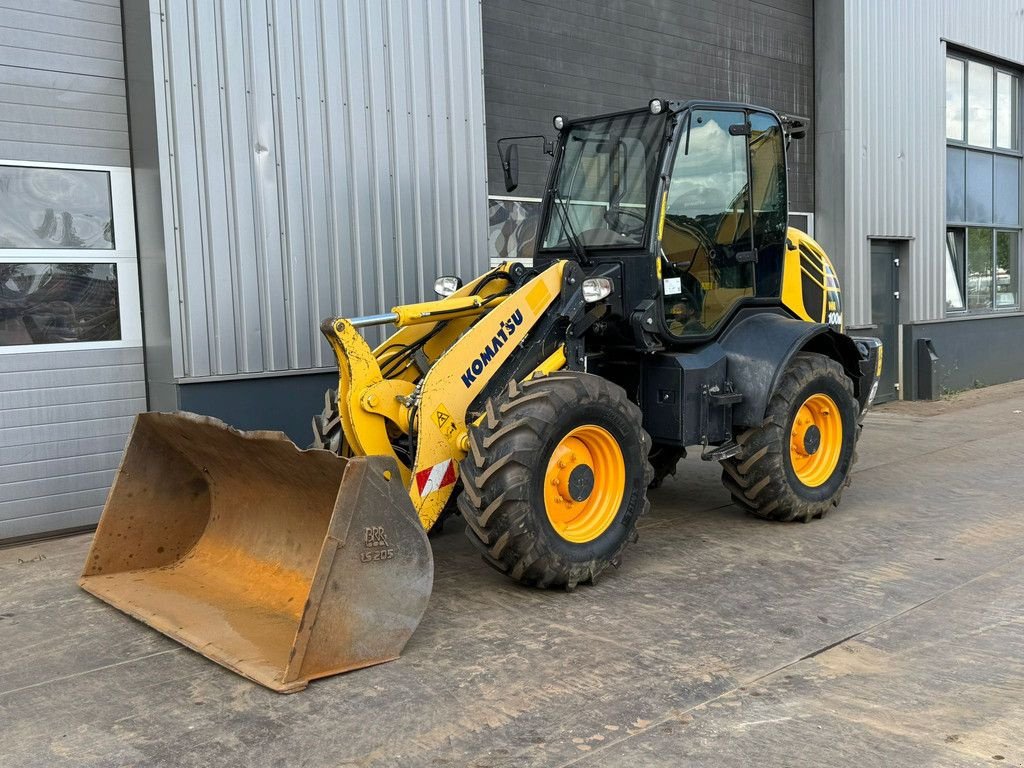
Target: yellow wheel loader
669,306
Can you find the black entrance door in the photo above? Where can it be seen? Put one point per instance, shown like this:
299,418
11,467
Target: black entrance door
885,298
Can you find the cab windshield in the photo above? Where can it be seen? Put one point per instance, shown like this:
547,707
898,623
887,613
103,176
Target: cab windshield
607,169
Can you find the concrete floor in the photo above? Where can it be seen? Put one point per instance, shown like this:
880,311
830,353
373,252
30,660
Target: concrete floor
890,634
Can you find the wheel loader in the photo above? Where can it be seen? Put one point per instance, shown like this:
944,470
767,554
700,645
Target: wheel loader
669,307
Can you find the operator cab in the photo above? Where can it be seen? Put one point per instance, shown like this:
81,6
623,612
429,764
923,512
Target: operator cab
697,188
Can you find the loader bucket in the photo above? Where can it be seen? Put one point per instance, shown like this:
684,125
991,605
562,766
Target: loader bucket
281,564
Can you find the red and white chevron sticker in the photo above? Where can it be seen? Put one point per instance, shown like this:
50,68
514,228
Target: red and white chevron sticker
435,478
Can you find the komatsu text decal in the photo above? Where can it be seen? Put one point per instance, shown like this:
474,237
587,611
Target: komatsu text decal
506,329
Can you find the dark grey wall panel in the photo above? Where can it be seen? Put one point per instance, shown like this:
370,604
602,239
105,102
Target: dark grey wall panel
284,403
64,417
143,38
964,363
62,94
576,57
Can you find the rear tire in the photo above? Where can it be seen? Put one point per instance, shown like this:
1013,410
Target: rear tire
797,463
327,432
664,459
523,512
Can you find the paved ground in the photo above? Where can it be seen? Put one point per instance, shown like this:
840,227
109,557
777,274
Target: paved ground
890,634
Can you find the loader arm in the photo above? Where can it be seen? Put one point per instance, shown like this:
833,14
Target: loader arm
421,381
376,387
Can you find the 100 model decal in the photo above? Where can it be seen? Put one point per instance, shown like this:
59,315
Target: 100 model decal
506,329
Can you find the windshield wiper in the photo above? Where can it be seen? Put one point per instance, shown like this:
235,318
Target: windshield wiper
562,206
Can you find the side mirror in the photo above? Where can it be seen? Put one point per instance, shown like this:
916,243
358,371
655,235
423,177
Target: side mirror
510,166
794,126
508,153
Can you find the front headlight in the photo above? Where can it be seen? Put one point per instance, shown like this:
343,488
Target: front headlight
596,288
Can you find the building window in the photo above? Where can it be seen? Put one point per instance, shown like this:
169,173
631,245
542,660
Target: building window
981,269
58,303
955,270
65,208
986,99
68,267
954,99
983,177
1006,110
512,230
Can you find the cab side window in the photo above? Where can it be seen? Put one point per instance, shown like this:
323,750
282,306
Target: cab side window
707,224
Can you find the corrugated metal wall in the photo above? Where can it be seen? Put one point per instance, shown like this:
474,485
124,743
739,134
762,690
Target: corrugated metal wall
62,82
894,169
64,417
322,158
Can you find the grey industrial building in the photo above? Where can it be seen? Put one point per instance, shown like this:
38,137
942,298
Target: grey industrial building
188,186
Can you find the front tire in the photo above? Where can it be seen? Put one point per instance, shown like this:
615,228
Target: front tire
555,479
795,465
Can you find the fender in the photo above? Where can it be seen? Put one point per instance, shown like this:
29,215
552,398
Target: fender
759,348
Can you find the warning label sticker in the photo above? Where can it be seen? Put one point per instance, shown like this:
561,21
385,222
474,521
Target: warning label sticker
444,421
435,478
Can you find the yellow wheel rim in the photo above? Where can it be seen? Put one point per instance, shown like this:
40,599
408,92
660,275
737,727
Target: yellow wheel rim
584,484
816,440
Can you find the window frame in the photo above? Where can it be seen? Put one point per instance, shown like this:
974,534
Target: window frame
123,256
1016,152
1015,94
548,210
993,308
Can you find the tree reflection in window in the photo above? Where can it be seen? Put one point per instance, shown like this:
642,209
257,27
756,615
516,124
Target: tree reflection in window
58,303
55,208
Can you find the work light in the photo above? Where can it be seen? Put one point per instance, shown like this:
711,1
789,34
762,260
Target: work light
596,288
446,285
